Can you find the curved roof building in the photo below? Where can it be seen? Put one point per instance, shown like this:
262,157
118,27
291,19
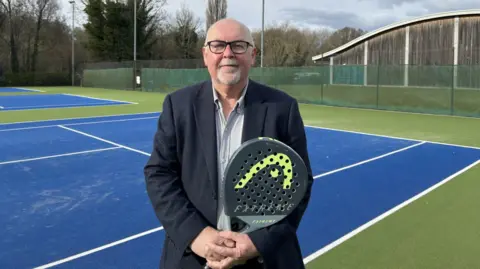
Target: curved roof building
447,39
427,33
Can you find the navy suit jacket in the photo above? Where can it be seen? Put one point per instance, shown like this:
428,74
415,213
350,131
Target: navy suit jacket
181,173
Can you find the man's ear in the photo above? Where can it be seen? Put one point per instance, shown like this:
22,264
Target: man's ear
204,53
254,55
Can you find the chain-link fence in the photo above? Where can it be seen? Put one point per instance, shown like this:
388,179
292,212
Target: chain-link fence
448,89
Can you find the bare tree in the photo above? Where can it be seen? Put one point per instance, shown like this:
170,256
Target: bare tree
216,10
186,36
3,15
287,45
11,9
43,11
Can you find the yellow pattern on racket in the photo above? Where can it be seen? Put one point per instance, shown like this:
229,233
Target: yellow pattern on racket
272,159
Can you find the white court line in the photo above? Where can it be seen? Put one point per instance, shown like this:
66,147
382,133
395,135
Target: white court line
344,238
161,227
391,137
394,111
369,160
94,98
72,105
29,89
73,124
108,121
80,118
308,126
99,248
59,155
104,140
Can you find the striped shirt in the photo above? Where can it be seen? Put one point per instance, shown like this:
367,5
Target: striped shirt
229,138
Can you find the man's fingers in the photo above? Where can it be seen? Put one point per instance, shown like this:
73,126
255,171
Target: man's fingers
222,250
226,241
229,243
223,264
212,255
229,235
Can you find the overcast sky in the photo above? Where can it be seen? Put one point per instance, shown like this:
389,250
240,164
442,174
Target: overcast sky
365,14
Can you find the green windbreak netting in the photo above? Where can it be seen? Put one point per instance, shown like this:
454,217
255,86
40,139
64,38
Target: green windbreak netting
166,80
428,89
115,78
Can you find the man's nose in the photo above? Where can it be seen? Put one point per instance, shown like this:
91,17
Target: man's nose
228,52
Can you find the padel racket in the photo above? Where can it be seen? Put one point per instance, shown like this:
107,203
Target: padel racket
264,182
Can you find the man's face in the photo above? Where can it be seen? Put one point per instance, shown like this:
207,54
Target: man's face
228,64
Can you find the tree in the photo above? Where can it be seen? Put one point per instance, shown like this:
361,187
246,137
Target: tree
185,33
43,10
287,45
12,11
110,28
149,17
95,27
216,10
340,37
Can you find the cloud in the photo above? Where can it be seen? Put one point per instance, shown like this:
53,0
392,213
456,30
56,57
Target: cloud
424,7
337,19
390,4
364,14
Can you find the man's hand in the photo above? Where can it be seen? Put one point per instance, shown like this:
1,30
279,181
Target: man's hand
242,250
210,237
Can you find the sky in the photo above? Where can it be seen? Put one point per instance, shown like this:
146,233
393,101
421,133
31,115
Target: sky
367,15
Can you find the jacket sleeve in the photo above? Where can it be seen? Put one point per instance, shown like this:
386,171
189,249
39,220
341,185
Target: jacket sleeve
180,219
281,237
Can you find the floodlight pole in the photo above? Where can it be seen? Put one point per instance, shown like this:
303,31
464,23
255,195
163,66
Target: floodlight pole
263,29
72,2
134,44
135,30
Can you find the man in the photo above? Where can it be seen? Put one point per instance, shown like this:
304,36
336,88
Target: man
198,130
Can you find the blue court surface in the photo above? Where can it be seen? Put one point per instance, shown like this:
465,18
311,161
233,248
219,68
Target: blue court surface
72,192
2,89
43,101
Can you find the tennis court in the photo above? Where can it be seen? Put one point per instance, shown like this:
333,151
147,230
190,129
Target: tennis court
44,101
73,194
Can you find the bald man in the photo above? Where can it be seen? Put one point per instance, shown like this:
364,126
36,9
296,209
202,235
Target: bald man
198,130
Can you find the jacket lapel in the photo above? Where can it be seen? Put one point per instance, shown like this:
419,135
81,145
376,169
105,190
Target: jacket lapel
204,110
255,112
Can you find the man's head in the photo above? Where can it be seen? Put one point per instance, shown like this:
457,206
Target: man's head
229,64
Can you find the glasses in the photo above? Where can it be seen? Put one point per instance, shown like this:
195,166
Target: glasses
238,46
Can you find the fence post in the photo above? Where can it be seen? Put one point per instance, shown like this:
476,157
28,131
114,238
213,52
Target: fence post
134,75
452,92
378,83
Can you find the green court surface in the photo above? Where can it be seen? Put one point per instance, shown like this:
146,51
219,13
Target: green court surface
439,230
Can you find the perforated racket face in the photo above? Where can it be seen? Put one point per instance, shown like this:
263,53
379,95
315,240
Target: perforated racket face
264,182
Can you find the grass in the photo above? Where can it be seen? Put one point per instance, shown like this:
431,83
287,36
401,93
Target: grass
147,102
439,230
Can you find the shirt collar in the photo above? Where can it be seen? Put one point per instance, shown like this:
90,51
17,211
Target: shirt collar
240,102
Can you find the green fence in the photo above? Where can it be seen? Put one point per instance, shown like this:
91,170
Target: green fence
452,90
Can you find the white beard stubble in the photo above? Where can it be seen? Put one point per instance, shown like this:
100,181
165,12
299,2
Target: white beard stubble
229,77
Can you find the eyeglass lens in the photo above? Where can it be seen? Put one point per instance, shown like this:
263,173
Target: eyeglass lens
236,46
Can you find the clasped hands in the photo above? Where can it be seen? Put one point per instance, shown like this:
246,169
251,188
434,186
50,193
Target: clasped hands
223,249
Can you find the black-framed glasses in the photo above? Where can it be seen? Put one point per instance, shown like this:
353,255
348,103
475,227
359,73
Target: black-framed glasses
237,46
